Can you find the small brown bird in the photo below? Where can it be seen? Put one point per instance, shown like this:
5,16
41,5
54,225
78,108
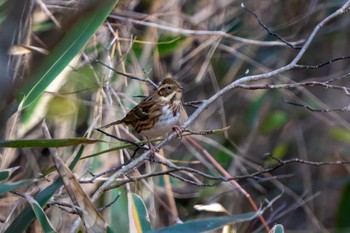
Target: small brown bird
158,113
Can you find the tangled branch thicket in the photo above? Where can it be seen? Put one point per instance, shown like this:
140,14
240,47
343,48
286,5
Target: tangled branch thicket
267,99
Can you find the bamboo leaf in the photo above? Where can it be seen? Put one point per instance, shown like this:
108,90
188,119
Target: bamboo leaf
44,143
138,217
277,229
27,216
92,219
6,173
74,40
207,224
40,214
6,187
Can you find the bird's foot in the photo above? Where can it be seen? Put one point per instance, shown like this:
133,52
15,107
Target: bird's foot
179,130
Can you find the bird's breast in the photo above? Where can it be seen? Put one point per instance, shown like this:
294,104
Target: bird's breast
166,121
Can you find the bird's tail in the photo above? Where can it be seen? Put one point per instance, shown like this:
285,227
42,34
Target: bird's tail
111,124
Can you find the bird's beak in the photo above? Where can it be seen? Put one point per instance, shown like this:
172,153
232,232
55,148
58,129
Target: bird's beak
181,88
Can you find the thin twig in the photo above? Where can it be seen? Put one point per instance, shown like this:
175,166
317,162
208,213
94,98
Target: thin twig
110,204
193,104
295,85
322,64
60,204
122,139
147,80
291,45
312,163
227,175
71,211
255,175
199,32
344,109
186,132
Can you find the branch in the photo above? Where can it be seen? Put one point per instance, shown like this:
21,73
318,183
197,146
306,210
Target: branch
109,204
199,32
220,179
307,162
193,104
295,85
64,205
291,45
147,80
344,109
122,139
322,64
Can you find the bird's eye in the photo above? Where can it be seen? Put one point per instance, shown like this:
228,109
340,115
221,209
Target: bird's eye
169,87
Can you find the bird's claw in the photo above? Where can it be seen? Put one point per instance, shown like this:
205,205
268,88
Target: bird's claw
179,130
152,148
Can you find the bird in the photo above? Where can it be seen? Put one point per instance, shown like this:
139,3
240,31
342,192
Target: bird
158,113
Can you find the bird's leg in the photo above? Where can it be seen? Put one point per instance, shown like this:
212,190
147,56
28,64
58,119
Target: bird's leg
152,148
179,130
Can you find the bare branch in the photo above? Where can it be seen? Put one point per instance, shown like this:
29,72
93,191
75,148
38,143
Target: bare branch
122,139
109,204
199,32
73,209
322,64
295,85
344,109
291,45
193,104
255,175
147,80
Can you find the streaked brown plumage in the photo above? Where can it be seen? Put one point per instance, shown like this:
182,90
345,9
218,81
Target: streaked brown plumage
158,113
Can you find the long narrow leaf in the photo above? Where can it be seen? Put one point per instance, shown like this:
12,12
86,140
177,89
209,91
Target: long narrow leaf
277,229
40,215
71,44
138,216
6,173
6,187
92,219
207,224
44,143
27,216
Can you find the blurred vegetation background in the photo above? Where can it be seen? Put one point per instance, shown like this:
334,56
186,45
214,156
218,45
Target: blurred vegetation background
204,45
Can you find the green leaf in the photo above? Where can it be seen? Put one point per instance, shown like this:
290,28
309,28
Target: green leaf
109,229
3,12
279,152
207,224
274,121
341,135
6,173
122,146
43,143
342,220
71,44
6,187
61,106
168,44
118,210
40,214
27,216
138,215
277,229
